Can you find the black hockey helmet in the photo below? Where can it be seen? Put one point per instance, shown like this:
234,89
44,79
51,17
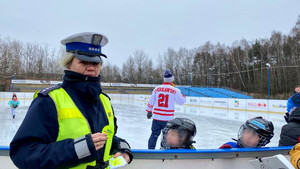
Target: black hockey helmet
259,125
184,127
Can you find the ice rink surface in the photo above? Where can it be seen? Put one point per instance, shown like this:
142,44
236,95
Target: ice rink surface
214,127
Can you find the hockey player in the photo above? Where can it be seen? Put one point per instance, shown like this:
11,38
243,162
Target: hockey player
162,106
256,132
179,134
13,104
292,103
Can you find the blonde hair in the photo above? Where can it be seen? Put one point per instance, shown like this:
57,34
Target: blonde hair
67,59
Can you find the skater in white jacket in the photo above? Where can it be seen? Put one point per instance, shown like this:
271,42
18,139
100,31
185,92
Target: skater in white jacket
162,106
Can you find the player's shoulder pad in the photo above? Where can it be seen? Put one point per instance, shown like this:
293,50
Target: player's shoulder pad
44,92
106,95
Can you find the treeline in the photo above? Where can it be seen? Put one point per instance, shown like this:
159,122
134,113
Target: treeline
29,60
241,66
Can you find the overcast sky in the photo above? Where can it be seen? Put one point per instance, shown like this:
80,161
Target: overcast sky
149,25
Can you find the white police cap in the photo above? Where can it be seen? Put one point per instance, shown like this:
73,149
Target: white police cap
86,46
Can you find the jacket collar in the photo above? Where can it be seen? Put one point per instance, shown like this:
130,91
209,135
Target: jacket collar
86,85
166,83
71,76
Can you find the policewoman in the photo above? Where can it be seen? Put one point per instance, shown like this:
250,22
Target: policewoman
72,125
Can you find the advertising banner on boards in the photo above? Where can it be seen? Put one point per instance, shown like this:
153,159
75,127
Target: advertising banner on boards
257,104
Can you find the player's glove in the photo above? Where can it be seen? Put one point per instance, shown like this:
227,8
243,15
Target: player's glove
149,115
286,117
225,146
15,106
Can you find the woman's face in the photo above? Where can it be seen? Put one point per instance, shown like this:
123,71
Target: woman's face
85,68
250,138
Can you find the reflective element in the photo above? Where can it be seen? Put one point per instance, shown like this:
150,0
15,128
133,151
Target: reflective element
117,162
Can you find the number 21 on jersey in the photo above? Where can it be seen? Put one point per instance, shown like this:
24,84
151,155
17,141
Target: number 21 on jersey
163,100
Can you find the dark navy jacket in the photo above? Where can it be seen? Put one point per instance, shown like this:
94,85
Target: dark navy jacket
35,146
290,133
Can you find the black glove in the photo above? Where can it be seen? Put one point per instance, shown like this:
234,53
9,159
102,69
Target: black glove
15,106
286,117
149,115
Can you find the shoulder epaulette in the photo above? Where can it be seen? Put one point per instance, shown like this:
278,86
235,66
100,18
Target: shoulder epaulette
44,92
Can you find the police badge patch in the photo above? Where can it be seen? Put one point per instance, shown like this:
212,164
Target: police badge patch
96,40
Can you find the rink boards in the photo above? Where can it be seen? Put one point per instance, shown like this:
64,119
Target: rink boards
173,159
221,108
250,105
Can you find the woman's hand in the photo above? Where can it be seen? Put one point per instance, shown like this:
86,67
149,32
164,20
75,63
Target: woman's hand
125,155
99,140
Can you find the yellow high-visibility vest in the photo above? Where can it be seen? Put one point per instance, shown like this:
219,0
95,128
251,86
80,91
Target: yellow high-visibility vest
72,123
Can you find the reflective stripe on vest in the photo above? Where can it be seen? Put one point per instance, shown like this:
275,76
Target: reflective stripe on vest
70,118
36,94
